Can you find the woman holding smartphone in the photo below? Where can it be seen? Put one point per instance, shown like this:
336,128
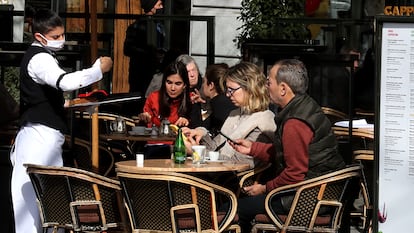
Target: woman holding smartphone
245,85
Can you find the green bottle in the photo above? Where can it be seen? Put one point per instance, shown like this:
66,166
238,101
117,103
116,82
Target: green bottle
179,148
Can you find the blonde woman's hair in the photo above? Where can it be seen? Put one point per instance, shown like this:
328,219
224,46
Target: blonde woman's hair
251,78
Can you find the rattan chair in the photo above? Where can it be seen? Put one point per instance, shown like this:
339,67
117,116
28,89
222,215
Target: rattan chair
122,148
331,191
362,143
176,202
77,200
334,115
250,177
365,156
106,117
79,154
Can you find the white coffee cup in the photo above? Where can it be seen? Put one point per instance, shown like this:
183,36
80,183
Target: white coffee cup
213,155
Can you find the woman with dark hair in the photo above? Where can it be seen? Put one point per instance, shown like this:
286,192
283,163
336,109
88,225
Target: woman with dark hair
220,104
171,102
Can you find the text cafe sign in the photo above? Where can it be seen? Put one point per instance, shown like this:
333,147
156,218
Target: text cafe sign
399,8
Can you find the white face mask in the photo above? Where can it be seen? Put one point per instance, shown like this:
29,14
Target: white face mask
54,45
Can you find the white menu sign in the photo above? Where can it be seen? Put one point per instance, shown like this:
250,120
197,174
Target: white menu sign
396,131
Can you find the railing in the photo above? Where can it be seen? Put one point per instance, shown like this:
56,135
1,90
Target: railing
210,21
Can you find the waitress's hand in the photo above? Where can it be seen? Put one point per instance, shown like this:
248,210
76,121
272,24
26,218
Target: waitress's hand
106,64
144,117
182,121
242,146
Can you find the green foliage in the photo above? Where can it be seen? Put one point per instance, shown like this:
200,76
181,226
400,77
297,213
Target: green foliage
259,18
11,81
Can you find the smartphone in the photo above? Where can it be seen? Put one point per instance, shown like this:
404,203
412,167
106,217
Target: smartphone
228,138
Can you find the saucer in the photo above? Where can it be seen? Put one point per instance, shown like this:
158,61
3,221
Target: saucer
135,133
216,161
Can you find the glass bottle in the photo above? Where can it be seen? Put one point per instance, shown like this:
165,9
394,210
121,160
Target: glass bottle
179,148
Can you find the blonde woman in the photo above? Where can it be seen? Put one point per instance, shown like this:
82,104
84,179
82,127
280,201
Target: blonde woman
245,85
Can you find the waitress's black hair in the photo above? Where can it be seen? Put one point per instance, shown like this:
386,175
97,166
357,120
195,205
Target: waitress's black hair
45,20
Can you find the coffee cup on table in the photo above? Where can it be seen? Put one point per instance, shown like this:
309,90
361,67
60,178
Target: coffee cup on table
213,155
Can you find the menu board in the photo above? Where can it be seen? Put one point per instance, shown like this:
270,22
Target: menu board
396,128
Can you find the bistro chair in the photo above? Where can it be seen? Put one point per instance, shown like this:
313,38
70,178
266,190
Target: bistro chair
334,115
122,148
250,177
362,149
175,202
369,115
79,154
76,200
106,117
332,192
364,155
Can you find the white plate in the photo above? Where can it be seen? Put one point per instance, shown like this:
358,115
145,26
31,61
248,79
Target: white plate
362,123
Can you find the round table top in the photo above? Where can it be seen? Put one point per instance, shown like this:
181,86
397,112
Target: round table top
168,165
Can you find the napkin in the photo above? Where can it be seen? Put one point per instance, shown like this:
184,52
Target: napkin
361,123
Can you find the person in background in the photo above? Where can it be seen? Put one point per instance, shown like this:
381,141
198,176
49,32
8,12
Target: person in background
304,141
220,104
29,12
194,74
196,97
246,88
171,102
42,115
364,84
141,51
331,82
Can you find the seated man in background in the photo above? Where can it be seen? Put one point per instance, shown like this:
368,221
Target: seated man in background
304,141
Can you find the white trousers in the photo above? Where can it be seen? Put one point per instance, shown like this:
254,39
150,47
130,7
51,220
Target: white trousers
35,144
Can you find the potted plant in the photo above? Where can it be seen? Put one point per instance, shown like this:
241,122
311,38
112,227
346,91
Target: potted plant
260,20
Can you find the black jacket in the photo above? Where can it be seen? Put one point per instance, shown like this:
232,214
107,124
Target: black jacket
323,153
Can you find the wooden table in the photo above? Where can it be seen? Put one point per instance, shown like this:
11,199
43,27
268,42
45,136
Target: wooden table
92,108
167,165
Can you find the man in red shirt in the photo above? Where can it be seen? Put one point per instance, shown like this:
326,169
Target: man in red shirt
305,146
